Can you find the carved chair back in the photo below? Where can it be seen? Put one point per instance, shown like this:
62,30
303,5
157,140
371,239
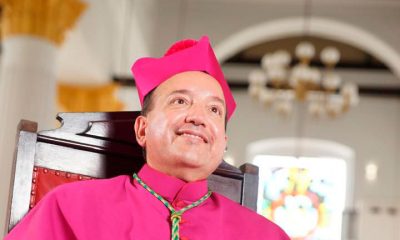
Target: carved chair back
96,145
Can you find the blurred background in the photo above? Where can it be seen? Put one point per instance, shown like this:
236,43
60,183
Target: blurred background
317,84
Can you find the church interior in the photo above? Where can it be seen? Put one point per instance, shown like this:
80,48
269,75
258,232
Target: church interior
317,86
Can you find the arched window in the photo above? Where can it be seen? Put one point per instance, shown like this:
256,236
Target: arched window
304,185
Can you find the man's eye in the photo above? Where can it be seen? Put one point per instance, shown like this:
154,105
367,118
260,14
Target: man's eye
216,110
178,101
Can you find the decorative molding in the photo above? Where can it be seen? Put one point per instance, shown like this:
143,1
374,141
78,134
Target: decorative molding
78,98
243,85
319,27
50,19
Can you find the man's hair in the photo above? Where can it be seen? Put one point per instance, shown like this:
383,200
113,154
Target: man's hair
147,103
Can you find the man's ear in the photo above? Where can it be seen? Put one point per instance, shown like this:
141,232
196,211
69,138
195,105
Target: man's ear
140,130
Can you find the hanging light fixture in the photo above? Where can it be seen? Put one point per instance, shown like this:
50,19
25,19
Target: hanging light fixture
276,84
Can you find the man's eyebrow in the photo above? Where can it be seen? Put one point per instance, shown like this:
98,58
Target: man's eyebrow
181,91
218,99
185,91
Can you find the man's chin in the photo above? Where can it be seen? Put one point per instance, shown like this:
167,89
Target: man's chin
191,150
191,162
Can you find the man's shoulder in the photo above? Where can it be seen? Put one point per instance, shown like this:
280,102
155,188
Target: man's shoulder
87,194
229,204
248,219
92,187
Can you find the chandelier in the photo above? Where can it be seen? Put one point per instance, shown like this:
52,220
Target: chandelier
277,85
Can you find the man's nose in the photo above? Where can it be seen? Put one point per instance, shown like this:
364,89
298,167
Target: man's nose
196,115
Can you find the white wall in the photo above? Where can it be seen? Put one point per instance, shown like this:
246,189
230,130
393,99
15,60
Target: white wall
221,19
372,129
107,39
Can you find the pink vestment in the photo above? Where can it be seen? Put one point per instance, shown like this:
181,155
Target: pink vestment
119,208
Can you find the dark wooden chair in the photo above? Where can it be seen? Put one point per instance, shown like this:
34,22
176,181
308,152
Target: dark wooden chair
96,145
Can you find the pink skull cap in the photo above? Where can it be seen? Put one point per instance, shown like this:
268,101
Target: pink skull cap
184,55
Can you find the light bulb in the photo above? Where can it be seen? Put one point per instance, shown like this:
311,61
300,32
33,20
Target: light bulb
257,77
330,56
266,96
305,50
331,81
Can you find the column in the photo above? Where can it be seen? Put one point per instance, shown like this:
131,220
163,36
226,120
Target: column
32,31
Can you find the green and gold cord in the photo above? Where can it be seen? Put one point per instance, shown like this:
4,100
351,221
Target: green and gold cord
175,216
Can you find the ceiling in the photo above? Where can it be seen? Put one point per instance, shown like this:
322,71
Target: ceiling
111,35
350,56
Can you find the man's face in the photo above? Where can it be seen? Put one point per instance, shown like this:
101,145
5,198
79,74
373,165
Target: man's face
184,132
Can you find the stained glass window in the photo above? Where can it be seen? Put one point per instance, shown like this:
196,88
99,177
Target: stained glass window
305,196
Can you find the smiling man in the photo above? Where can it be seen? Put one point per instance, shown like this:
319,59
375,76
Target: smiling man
186,104
186,123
